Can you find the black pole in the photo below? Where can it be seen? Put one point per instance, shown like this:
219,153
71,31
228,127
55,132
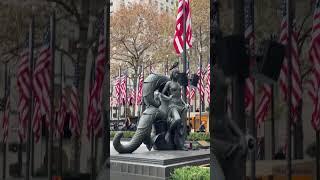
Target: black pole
20,158
318,154
52,49
31,66
273,138
184,53
92,153
119,101
289,158
4,175
106,101
200,94
61,93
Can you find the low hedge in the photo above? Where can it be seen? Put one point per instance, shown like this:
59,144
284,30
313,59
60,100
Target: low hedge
191,173
126,134
196,136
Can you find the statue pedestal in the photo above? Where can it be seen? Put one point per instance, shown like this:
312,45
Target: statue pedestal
154,165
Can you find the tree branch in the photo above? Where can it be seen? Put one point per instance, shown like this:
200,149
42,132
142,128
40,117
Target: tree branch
66,53
71,10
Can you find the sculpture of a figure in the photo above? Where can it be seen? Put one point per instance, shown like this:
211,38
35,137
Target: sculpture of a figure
163,123
176,111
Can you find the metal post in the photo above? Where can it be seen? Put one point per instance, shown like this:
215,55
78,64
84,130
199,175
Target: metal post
136,93
200,96
289,142
52,48
92,154
184,53
6,99
28,153
119,100
61,93
273,138
318,154
106,101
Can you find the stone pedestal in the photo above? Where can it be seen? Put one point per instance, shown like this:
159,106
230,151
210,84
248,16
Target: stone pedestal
154,165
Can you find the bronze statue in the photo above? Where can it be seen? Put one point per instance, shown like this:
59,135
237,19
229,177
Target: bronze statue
163,123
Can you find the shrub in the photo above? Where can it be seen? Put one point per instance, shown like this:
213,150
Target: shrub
126,134
191,173
199,136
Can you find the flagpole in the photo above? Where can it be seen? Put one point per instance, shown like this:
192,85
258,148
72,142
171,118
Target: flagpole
28,160
119,100
142,103
126,99
317,154
200,88
136,93
52,49
289,48
184,53
273,139
249,20
5,109
60,138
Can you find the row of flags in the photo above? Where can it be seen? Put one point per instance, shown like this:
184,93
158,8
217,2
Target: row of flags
35,85
40,83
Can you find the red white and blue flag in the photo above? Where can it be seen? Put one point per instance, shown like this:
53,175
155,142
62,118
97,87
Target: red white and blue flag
41,88
296,94
5,119
74,123
178,41
140,86
314,55
200,84
62,113
24,86
95,102
208,82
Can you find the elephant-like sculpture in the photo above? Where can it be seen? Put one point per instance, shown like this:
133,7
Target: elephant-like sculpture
162,124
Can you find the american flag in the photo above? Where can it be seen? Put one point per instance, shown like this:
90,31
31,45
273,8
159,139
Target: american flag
264,104
296,94
131,97
95,106
314,92
24,84
74,123
123,89
41,87
140,86
200,84
117,89
178,42
249,35
208,82
5,120
62,109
